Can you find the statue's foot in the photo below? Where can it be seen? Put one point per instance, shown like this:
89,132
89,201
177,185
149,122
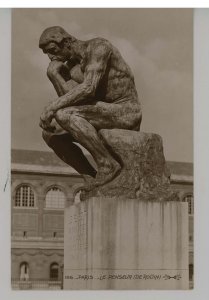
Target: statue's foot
88,182
86,187
106,173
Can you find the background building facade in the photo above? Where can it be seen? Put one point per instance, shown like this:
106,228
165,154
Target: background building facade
42,185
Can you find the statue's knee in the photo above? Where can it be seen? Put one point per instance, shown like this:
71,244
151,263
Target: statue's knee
64,114
59,115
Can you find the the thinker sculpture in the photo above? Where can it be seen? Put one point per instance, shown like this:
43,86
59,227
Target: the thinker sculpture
96,91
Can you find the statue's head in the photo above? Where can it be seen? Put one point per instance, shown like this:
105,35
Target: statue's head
56,43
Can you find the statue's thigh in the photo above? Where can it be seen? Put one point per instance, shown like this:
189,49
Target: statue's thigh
102,115
105,115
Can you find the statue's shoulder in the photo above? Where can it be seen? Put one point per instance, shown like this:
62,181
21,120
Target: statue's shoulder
98,43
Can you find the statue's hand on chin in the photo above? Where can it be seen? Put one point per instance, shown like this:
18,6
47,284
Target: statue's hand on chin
54,67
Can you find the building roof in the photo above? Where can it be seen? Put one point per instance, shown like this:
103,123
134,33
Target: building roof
30,157
181,168
46,162
49,161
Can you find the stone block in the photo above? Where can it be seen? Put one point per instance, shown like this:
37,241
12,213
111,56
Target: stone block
144,173
117,243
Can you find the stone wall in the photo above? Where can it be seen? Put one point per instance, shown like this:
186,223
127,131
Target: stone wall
39,261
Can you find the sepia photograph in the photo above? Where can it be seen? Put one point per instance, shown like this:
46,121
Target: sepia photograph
102,149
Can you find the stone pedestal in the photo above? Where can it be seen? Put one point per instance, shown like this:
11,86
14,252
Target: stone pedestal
117,243
131,233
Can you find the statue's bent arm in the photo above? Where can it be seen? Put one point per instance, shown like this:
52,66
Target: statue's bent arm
94,71
59,84
60,79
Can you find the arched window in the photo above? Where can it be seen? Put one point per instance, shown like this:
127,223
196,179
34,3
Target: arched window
54,271
24,197
24,271
55,198
189,198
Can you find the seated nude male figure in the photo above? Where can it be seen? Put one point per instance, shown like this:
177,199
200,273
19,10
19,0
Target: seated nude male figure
96,91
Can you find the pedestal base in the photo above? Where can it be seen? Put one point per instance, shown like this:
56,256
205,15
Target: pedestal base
112,243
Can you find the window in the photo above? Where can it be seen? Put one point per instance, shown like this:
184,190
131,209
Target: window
191,272
55,198
54,271
24,271
24,197
190,200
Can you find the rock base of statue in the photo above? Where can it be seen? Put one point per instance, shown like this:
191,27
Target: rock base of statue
113,243
131,233
143,174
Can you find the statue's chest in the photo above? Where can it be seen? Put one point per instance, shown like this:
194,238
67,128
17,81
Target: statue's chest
76,74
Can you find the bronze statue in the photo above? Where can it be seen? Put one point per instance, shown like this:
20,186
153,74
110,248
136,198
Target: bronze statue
96,91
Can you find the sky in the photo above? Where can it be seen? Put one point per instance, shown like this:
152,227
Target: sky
156,43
